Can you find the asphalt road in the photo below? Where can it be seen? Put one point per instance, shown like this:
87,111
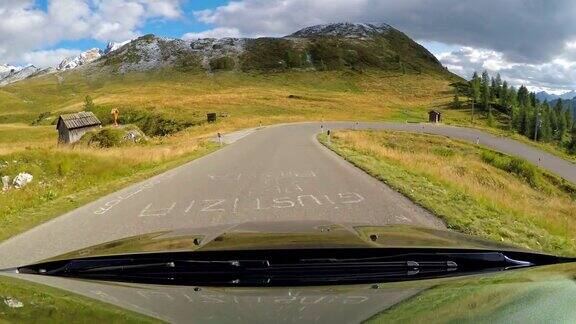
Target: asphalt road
276,173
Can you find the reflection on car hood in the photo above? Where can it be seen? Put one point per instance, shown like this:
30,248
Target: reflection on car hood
539,294
287,235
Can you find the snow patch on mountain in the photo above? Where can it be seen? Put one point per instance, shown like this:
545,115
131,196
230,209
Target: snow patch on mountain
347,30
18,75
5,68
82,59
113,46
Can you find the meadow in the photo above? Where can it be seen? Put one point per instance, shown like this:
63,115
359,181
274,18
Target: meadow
172,106
474,190
66,177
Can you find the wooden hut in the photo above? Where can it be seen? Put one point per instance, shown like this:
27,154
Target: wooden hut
434,116
71,127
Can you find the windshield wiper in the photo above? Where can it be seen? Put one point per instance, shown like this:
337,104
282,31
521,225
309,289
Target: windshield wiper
289,267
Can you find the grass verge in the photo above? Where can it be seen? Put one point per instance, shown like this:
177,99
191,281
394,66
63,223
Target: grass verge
47,304
67,178
474,190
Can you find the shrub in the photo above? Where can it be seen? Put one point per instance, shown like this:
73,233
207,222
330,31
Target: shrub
107,137
513,165
525,170
272,54
151,124
222,63
40,118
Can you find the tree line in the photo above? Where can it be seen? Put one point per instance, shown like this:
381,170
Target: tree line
519,109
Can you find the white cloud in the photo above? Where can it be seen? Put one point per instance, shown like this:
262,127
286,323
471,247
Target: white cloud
25,28
555,76
525,31
48,57
530,42
220,32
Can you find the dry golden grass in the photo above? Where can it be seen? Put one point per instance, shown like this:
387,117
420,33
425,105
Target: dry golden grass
18,137
504,206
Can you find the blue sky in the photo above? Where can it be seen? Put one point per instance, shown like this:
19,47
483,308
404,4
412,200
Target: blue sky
527,42
173,28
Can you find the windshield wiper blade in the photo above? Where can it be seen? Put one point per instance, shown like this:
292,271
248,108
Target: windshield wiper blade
289,267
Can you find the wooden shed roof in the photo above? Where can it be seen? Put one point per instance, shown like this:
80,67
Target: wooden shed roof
79,120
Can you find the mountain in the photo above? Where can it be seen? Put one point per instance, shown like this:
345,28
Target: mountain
568,95
323,47
82,59
340,46
569,104
16,75
112,46
349,30
543,95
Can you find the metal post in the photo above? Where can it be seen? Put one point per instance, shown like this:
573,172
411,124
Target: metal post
537,124
328,140
5,183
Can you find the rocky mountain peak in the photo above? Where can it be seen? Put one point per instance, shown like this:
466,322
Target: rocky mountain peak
347,30
82,59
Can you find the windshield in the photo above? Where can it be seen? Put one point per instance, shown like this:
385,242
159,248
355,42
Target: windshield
162,134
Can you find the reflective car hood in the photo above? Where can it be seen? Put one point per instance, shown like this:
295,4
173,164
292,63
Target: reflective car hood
287,235
533,295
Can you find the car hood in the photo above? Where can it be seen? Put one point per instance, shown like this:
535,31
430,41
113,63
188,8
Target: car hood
287,235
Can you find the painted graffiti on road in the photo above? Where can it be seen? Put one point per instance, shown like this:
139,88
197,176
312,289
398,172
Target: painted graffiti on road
207,206
117,200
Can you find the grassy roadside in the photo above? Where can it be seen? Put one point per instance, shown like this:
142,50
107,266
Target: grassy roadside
503,297
481,124
67,178
53,305
474,190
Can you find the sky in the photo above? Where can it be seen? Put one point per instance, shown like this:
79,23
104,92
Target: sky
528,42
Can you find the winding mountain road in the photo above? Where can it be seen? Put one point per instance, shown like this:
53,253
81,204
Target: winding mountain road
276,173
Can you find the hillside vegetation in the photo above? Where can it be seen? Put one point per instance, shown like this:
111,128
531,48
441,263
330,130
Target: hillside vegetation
474,190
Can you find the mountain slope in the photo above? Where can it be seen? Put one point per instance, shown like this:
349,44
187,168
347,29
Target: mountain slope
323,47
341,71
341,46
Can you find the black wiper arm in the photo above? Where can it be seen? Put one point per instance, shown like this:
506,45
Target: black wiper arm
124,265
290,267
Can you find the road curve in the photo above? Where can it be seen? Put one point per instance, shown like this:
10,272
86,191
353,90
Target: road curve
276,173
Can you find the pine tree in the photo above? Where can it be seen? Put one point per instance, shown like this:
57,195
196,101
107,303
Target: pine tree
523,96
456,102
496,87
88,103
485,91
503,97
512,99
568,120
475,88
561,122
499,82
572,143
546,127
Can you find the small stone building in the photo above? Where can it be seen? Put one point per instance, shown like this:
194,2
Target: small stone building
434,116
71,127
